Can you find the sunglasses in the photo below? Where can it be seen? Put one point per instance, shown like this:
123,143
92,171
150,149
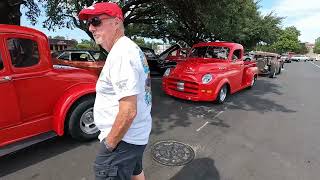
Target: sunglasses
95,21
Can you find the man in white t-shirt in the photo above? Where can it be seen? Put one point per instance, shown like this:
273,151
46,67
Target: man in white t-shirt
123,96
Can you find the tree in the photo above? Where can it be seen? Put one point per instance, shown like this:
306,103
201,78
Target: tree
87,44
287,41
59,37
187,20
317,47
302,49
10,11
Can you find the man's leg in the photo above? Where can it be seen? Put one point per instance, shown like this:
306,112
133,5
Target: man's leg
138,177
138,173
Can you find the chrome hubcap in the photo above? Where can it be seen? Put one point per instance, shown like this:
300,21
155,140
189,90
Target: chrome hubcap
223,94
87,123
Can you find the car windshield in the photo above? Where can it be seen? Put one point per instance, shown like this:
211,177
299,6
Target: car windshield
98,56
210,52
149,53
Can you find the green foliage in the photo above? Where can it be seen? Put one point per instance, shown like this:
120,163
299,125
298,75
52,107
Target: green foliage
317,47
142,43
59,37
180,20
87,44
33,10
302,49
287,41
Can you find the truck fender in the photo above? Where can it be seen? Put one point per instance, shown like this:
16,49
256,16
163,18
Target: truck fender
66,101
250,72
220,84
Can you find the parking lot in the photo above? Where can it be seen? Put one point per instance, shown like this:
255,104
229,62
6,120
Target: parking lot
268,132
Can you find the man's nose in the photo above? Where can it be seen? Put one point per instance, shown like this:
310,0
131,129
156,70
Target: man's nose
91,28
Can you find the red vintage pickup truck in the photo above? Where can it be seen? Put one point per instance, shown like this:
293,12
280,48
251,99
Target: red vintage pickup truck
211,72
39,100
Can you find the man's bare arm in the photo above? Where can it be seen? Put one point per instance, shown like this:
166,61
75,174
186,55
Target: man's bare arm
127,113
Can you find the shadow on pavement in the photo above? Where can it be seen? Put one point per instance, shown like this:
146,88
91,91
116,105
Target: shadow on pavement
256,99
169,112
37,153
200,169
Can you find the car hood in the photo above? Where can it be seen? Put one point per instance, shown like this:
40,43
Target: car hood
199,65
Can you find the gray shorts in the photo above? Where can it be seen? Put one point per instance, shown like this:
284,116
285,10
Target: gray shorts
125,161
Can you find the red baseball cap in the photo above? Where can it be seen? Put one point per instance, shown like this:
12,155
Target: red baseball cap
108,8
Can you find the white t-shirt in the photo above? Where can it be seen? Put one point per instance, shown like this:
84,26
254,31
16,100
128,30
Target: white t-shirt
125,73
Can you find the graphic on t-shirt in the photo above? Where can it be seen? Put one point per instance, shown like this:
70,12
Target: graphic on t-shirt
122,85
148,95
144,62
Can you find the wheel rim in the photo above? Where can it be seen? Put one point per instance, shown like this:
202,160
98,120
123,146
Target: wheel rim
223,94
87,123
253,81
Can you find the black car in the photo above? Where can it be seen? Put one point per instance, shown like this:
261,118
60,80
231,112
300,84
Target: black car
154,62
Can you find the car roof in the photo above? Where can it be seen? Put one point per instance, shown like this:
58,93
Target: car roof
230,45
20,29
77,50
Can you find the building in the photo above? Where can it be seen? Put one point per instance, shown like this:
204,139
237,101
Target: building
59,44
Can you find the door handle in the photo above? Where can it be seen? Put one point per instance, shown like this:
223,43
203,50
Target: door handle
6,79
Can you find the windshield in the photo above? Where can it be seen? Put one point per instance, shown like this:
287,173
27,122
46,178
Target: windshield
210,52
98,56
149,53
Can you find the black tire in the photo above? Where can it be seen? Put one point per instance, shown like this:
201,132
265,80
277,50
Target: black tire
272,74
253,83
74,124
279,71
220,99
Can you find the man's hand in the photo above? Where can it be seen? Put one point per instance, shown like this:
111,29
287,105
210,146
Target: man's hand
127,113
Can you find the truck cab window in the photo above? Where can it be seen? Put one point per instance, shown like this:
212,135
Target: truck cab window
1,62
64,56
236,54
23,52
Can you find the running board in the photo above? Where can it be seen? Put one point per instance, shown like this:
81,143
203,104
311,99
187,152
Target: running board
25,143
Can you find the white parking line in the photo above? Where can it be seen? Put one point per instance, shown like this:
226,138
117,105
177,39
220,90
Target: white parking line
208,121
315,64
202,126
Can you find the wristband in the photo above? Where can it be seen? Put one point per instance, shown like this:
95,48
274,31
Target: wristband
109,148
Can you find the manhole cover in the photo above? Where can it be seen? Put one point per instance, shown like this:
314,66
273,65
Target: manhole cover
172,153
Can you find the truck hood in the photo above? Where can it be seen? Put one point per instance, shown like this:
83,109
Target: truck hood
199,65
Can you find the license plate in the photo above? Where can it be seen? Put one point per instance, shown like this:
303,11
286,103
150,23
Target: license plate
180,86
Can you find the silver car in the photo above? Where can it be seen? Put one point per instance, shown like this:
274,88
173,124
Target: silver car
299,58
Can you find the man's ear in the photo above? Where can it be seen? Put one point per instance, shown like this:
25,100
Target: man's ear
117,21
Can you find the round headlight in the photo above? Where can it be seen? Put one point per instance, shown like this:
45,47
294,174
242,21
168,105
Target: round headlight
167,72
207,78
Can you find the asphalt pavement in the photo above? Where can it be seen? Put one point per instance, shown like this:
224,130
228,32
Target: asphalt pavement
268,132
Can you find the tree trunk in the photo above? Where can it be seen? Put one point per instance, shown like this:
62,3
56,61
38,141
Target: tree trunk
10,12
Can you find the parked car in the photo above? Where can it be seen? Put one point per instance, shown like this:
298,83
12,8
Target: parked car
178,55
249,56
39,100
285,58
268,63
299,57
86,59
211,72
173,55
154,62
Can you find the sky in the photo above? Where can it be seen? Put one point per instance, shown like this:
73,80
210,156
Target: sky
303,14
